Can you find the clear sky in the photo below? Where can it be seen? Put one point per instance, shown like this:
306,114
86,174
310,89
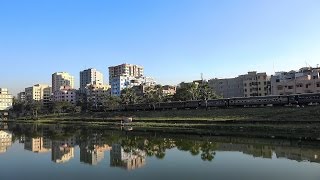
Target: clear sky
175,40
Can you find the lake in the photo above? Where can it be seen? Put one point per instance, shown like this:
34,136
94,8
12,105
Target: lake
30,151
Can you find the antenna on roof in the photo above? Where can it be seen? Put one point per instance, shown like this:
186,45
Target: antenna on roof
201,76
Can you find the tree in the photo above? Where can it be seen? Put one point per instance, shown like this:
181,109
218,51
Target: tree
110,102
154,95
35,107
128,96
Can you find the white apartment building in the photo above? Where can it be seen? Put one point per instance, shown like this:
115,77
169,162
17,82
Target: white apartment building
5,99
125,70
90,76
65,93
61,79
121,82
5,141
38,92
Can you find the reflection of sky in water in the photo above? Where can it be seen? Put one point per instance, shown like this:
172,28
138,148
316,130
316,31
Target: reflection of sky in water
18,163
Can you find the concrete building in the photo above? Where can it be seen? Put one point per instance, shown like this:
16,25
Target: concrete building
125,70
227,88
5,141
90,77
247,85
93,153
128,160
6,99
121,82
96,92
21,96
38,144
61,79
65,94
306,80
168,90
38,92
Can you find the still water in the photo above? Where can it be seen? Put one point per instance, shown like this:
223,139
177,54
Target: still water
69,152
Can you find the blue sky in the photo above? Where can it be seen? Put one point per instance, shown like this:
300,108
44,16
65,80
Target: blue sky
175,40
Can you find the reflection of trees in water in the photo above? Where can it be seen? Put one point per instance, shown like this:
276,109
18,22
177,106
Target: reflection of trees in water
206,148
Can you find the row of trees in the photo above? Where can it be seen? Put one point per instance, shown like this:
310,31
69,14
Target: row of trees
152,95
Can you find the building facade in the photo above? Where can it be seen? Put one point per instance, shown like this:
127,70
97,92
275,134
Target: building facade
5,141
65,94
6,99
61,79
306,80
90,76
95,93
247,85
121,82
21,96
125,70
38,92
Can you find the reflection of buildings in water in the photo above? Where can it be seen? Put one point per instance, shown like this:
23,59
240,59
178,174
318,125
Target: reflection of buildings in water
128,160
37,145
298,154
3,126
63,150
5,141
255,151
93,154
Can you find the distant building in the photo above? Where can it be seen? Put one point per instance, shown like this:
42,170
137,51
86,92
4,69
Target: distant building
65,94
306,80
61,79
121,82
38,92
128,160
5,141
6,99
21,96
90,77
247,85
125,70
96,92
169,90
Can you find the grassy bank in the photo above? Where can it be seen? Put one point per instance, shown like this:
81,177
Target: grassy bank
244,114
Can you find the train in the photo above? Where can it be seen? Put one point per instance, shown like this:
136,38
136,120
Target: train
258,101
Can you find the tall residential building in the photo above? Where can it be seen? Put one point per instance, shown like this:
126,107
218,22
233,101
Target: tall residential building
125,70
306,80
90,76
21,96
61,79
63,150
65,94
6,99
38,92
121,82
37,144
95,93
247,85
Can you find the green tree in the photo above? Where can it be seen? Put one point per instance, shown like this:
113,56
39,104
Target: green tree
128,96
154,95
110,102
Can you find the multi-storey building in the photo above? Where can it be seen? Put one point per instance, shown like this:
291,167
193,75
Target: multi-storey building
65,94
61,79
38,92
247,85
168,90
230,87
5,99
96,92
21,96
88,77
306,80
125,70
121,82
256,84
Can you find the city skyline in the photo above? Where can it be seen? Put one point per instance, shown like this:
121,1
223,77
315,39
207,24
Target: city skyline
218,39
